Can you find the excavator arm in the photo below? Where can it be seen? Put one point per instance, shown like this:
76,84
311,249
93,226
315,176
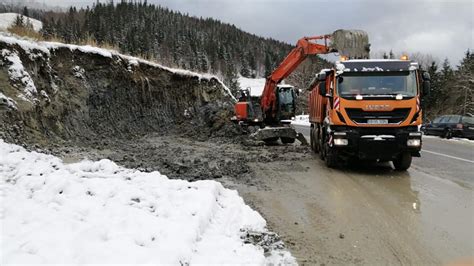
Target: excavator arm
304,47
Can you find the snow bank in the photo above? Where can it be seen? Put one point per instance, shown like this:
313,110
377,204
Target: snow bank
7,19
302,120
256,85
98,212
469,141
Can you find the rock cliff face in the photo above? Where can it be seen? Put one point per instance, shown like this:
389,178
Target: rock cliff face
53,92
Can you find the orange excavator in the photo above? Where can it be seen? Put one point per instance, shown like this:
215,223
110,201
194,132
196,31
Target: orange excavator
277,103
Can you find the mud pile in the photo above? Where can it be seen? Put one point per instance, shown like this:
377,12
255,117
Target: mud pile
82,94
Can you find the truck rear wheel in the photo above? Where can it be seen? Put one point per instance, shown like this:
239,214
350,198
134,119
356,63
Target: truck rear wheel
313,140
321,145
403,161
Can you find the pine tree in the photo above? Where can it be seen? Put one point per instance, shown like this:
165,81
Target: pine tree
26,13
463,84
268,65
19,21
435,93
391,55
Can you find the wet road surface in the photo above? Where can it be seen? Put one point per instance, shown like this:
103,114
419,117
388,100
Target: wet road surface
371,214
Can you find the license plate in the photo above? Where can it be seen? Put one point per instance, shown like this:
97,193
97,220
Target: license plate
377,121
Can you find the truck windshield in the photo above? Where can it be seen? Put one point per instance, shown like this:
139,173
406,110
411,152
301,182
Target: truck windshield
377,83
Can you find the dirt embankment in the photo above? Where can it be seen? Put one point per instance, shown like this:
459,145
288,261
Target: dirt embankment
85,96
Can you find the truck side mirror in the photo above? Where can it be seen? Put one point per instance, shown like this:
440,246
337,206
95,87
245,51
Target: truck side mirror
426,76
322,89
426,83
426,87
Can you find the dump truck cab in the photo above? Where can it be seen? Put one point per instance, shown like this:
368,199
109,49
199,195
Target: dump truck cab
368,109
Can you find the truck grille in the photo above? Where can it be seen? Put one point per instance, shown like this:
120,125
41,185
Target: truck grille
360,116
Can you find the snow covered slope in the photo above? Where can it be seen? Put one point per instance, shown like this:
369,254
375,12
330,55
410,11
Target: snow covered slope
7,19
256,85
97,212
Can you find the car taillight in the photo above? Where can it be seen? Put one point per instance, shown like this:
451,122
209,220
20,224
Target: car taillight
459,126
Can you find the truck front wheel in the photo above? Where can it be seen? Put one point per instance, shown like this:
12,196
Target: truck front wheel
331,157
403,162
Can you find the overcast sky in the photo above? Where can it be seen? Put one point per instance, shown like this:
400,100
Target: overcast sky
442,28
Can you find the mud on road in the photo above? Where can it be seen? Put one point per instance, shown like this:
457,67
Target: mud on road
369,215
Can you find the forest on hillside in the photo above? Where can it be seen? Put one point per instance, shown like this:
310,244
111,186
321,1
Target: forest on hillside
171,38
452,90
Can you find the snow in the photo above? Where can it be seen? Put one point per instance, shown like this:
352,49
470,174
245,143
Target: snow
256,85
456,139
9,102
366,69
84,48
25,44
17,73
97,213
302,120
7,19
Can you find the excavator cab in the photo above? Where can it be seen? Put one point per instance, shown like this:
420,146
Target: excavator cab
286,101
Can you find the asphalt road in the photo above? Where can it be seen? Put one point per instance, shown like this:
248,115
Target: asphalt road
371,214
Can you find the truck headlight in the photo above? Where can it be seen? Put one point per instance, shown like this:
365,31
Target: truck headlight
414,142
341,142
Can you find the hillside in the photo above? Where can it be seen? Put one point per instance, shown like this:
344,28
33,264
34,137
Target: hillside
171,38
7,19
55,92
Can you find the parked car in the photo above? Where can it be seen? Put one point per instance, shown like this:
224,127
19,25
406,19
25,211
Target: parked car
448,126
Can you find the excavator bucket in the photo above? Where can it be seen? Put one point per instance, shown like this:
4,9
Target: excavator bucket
351,43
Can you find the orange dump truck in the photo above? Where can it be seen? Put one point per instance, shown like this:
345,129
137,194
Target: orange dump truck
368,110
